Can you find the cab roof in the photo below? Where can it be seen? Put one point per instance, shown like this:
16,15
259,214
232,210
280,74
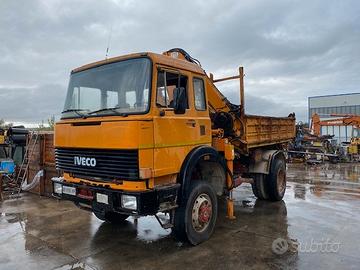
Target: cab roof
160,59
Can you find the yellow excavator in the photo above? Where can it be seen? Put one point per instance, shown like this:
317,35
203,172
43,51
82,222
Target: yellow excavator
341,120
147,133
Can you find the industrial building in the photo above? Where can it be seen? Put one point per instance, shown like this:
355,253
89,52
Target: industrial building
335,104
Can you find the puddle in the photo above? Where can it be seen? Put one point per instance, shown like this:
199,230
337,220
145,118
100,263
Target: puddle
325,180
139,232
248,203
149,229
14,217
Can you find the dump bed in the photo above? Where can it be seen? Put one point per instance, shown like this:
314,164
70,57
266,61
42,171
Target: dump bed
266,130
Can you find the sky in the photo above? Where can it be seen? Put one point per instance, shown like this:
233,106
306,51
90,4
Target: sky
290,50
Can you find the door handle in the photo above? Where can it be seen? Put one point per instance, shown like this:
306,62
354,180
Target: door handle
191,122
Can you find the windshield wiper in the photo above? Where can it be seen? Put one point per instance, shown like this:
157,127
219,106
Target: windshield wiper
77,111
109,109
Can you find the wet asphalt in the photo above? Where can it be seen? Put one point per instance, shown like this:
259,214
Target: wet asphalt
316,226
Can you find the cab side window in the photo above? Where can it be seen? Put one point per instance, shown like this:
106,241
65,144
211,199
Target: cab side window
199,94
166,83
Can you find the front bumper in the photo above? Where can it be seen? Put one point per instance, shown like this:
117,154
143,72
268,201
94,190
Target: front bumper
148,202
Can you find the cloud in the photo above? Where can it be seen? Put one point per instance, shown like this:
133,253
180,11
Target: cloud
31,104
290,49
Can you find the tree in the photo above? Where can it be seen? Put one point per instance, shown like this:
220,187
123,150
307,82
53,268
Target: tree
5,125
51,122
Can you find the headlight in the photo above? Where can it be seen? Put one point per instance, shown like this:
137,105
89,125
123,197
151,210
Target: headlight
58,188
128,202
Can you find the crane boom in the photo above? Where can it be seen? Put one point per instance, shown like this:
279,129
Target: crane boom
343,120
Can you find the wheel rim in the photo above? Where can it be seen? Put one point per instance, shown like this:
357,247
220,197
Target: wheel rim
201,212
281,181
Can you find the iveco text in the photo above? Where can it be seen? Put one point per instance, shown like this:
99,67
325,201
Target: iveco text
83,161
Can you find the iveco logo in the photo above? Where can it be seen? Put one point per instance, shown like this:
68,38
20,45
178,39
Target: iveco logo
84,161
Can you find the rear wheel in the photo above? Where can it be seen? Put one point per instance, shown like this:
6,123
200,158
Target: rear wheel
195,219
111,217
260,187
277,180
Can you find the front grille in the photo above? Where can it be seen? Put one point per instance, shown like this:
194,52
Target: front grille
110,164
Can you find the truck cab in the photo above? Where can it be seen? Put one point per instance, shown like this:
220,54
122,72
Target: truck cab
136,138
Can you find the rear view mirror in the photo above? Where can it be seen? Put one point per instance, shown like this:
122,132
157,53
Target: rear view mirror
180,102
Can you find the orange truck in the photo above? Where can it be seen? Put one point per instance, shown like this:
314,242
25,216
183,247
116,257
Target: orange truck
146,133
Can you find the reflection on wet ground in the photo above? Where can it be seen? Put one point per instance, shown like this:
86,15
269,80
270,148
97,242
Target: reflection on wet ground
327,179
315,227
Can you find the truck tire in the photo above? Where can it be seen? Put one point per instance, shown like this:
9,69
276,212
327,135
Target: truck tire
276,179
111,217
195,219
260,187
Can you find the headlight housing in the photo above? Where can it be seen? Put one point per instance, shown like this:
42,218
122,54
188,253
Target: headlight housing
57,188
128,202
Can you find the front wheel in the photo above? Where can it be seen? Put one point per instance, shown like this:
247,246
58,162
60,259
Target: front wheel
195,219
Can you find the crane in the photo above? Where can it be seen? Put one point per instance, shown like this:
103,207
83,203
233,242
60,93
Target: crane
341,120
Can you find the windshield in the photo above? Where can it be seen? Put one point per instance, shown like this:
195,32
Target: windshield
118,88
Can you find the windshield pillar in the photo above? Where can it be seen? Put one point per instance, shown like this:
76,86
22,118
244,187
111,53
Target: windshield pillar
103,99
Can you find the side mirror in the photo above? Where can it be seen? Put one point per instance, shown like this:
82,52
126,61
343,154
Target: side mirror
180,102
